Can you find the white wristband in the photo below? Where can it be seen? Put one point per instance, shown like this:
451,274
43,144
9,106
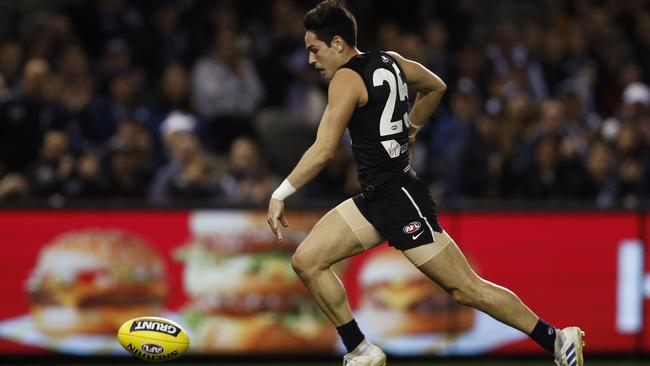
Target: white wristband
417,127
284,190
414,126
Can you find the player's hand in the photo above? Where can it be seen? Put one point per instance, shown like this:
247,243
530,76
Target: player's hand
276,217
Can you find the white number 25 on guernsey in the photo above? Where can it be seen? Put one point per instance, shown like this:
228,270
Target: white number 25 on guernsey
396,85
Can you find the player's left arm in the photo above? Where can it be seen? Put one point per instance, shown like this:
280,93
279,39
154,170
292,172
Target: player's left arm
344,93
429,87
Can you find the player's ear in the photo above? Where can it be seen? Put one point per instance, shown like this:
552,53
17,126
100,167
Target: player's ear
337,43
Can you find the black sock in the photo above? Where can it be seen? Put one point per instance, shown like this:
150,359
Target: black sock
544,334
350,335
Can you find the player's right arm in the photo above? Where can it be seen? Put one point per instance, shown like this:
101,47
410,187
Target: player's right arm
344,95
429,88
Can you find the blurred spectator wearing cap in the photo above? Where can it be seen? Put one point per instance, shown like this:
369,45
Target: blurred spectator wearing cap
226,90
191,172
26,115
636,101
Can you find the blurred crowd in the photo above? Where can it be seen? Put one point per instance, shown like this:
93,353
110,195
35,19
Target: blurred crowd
213,101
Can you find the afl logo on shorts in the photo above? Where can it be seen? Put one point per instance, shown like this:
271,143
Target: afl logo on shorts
412,227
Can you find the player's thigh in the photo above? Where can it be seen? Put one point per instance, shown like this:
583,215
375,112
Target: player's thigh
444,263
341,233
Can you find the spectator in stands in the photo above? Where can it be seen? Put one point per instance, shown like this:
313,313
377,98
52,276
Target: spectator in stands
49,35
641,39
170,42
630,155
11,59
454,126
74,88
479,163
135,134
52,173
97,22
435,49
191,172
247,178
13,186
25,117
91,182
542,180
226,90
338,180
575,72
122,102
173,94
126,175
636,101
600,170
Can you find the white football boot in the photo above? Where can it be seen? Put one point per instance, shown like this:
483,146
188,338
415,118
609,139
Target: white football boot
568,347
365,354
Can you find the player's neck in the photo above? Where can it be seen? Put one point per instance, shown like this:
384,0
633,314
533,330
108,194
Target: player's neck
351,53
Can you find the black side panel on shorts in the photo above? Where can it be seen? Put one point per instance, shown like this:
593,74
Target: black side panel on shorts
380,144
405,215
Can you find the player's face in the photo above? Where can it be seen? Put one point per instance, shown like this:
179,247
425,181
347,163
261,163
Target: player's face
325,59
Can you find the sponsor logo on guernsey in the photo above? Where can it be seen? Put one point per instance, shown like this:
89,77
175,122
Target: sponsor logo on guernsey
392,147
155,326
412,227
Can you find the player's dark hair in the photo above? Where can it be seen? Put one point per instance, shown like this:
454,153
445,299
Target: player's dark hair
331,18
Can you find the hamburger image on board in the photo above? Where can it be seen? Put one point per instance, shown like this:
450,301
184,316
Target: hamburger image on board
397,299
91,281
245,297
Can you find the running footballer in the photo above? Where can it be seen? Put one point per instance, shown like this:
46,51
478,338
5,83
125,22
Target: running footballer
368,95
